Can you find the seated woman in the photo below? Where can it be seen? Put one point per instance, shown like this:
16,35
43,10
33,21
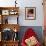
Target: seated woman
30,38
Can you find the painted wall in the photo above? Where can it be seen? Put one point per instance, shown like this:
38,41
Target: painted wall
39,12
26,3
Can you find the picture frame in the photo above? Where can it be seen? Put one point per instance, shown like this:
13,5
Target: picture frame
5,12
30,13
13,12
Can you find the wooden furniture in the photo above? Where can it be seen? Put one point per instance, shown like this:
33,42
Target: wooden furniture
10,43
10,26
0,43
9,23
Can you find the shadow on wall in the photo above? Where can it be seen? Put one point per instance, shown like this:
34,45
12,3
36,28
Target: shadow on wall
37,29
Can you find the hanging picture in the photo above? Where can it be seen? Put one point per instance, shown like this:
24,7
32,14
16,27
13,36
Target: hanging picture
30,13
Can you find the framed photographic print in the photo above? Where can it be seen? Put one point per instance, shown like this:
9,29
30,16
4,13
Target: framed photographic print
30,13
5,12
13,12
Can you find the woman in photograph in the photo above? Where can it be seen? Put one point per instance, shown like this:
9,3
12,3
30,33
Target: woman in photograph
30,13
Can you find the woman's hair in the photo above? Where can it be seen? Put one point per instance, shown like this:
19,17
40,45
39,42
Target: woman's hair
30,11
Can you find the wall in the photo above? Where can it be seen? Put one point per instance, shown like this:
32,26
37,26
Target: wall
26,3
39,12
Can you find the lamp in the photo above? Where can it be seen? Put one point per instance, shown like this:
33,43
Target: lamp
15,34
15,3
15,30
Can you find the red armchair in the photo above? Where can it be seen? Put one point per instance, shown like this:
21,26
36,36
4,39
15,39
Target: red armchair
28,34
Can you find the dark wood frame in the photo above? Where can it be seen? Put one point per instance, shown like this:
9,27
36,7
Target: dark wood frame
26,8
